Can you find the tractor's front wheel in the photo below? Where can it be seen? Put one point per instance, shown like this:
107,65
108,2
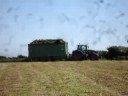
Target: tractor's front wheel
93,56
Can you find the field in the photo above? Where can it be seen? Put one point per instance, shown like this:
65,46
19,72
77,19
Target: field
82,78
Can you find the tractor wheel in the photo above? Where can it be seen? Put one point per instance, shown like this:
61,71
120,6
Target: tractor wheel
77,55
93,57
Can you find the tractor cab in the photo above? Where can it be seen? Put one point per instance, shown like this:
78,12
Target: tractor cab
82,48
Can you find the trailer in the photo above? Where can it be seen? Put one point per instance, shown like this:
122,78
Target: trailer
48,50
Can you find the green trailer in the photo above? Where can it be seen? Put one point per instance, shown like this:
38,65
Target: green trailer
45,50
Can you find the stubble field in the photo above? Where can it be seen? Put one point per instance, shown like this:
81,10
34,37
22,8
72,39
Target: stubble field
82,78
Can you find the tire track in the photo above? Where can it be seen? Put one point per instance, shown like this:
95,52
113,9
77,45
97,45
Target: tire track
82,78
103,78
62,78
43,83
8,80
26,78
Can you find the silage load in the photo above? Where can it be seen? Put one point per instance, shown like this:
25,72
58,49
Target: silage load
48,41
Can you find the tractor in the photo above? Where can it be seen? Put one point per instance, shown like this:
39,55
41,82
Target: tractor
82,53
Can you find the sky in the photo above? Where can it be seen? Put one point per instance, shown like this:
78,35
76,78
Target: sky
98,23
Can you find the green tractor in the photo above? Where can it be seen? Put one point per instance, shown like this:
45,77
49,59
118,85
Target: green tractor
82,53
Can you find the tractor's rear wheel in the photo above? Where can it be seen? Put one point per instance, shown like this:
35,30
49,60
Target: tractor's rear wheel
77,55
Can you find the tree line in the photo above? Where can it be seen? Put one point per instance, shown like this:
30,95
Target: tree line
115,53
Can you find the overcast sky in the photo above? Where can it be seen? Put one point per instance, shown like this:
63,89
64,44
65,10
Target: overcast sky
98,23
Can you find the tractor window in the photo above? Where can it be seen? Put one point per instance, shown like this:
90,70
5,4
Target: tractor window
79,47
83,47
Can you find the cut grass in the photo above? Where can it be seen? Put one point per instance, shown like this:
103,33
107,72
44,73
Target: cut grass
85,78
